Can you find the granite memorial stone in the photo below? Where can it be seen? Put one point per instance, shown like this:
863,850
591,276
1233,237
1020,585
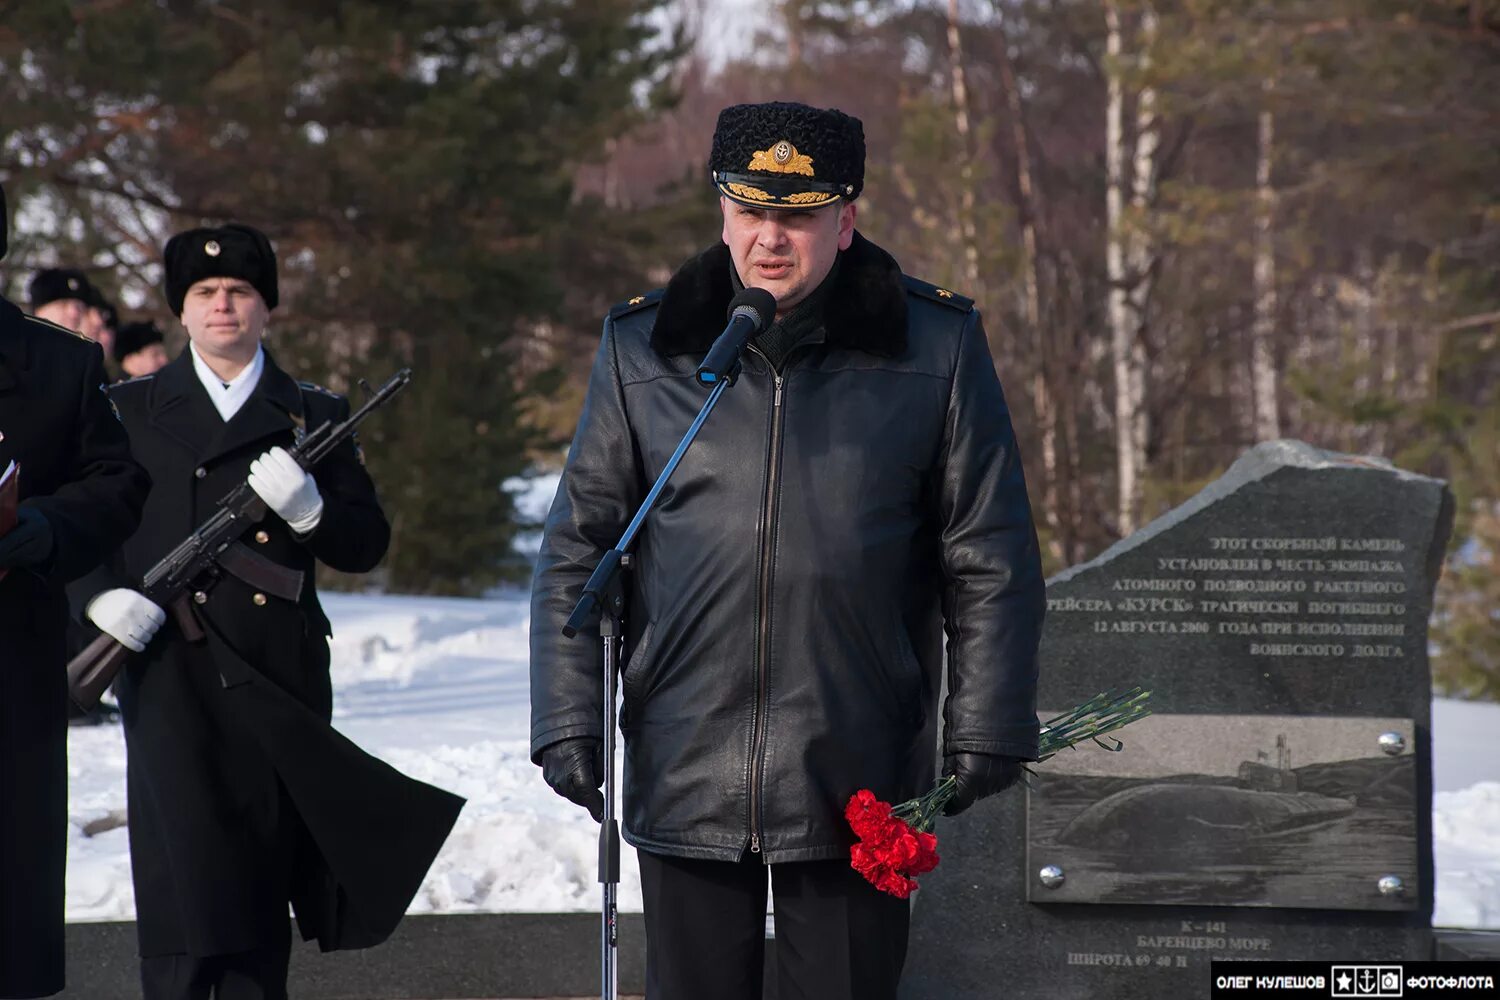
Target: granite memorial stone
1277,805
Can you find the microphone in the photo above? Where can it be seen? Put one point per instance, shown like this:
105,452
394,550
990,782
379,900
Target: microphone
751,312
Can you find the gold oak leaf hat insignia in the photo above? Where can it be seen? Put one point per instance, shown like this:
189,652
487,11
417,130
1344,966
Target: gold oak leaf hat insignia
782,158
783,155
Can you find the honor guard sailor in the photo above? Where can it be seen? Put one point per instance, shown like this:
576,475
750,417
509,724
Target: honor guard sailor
242,798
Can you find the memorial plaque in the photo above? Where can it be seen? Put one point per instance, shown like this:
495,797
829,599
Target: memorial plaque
1206,809
1288,600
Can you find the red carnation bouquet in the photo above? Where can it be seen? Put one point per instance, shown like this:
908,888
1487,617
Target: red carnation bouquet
896,843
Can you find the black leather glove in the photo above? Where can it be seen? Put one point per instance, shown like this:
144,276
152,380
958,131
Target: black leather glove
575,770
979,775
29,543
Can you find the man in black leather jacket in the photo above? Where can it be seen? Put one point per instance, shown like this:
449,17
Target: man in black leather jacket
854,495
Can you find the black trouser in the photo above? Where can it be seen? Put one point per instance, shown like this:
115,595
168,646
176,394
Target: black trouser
244,975
837,936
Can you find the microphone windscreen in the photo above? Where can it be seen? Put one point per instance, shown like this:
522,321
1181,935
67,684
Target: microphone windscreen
757,303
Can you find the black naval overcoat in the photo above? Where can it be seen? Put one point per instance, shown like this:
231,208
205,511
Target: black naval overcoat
57,425
241,795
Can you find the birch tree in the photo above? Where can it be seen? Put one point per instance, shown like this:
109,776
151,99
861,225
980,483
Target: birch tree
966,168
1130,162
1263,376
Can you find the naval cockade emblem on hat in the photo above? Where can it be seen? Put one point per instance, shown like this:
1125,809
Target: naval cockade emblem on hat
211,248
782,158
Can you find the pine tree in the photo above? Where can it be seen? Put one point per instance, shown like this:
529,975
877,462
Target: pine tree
414,164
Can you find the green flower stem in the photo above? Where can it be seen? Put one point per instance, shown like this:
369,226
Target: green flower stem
1102,714
922,812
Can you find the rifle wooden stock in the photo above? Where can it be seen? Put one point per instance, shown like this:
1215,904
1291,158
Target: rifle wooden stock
92,671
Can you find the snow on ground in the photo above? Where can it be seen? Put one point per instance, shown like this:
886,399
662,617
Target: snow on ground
438,687
98,866
1466,850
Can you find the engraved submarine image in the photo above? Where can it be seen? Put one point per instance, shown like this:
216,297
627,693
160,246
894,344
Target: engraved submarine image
1262,801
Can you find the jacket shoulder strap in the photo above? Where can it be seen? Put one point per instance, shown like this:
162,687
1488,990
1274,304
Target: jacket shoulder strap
635,303
942,296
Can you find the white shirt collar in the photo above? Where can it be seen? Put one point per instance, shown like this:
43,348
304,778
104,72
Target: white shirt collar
228,399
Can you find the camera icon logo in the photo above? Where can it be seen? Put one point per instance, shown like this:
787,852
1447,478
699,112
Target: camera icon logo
1367,981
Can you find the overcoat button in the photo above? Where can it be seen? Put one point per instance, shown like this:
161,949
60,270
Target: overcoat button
200,598
200,472
262,537
260,600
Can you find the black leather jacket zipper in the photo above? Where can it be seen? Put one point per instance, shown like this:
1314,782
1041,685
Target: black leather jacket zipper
763,608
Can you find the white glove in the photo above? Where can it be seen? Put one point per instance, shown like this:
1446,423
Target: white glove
287,489
129,618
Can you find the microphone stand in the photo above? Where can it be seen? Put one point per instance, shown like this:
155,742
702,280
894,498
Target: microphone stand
604,597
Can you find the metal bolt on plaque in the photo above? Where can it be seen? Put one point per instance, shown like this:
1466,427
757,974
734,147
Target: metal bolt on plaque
1392,743
1391,885
1051,876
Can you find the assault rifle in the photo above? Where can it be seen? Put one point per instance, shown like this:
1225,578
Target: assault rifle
213,549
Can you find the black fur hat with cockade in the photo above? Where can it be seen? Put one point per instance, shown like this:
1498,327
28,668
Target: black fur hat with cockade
232,250
58,283
784,155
